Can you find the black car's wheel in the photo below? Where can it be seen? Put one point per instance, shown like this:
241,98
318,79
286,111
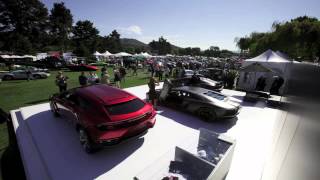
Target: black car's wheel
7,78
207,114
37,76
86,142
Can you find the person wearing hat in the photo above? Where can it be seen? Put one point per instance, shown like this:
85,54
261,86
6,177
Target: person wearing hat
61,81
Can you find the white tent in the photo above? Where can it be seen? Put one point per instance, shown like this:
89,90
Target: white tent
279,65
122,54
97,54
107,54
34,58
145,54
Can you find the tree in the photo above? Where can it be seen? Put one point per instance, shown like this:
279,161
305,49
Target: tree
25,21
85,36
60,25
299,37
162,46
112,42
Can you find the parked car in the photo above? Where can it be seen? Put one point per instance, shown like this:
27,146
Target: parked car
34,69
212,73
197,82
22,74
103,115
188,73
207,104
82,67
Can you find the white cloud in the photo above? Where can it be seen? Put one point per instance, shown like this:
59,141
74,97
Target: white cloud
133,29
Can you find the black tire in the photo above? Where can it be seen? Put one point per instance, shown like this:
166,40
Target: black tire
86,142
207,114
37,76
7,78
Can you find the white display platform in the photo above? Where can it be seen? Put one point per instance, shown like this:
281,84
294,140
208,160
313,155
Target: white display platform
50,148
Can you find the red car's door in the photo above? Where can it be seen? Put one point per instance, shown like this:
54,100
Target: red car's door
71,108
66,105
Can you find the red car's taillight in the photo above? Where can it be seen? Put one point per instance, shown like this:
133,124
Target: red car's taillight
124,123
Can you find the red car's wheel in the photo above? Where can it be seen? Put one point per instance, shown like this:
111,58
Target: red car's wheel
86,142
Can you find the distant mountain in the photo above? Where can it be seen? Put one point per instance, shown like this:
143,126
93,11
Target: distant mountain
126,42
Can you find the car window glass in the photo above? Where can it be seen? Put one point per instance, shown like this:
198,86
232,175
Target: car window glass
83,103
73,98
215,95
125,107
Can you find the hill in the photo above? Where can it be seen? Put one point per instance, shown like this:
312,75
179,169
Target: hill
126,42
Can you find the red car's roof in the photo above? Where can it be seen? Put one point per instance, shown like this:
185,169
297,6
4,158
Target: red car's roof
107,94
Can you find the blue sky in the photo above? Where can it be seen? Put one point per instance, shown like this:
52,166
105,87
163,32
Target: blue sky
195,23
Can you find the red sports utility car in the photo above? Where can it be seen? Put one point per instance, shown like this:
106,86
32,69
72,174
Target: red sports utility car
103,115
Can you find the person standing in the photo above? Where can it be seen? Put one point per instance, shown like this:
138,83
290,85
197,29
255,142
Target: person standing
152,91
103,70
117,78
83,80
105,78
160,73
61,81
123,73
152,70
134,67
28,74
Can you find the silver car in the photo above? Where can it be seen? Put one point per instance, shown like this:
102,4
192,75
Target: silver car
22,74
209,105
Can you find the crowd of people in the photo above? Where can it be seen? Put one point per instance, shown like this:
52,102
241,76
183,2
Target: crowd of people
91,78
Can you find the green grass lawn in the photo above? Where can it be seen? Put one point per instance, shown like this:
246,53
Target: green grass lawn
20,93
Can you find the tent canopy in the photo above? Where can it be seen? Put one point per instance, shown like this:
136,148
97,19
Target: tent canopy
145,54
107,53
97,54
255,67
122,54
274,61
269,56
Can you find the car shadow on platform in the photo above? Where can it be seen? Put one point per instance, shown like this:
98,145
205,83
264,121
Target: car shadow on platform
192,121
58,145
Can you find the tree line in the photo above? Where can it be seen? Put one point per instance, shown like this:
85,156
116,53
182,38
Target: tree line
27,27
299,38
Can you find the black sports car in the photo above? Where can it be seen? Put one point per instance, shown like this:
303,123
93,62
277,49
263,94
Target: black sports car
207,104
197,81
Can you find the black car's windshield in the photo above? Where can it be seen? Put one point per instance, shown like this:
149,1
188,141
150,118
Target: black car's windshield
215,95
126,107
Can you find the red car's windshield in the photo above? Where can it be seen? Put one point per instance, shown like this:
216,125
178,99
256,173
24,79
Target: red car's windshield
126,107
